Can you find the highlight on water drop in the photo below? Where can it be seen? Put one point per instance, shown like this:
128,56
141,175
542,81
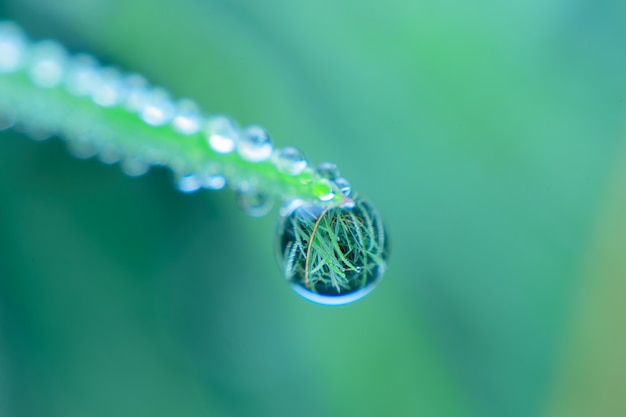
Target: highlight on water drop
332,255
13,47
255,144
289,160
189,183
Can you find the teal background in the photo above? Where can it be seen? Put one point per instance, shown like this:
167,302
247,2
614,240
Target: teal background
489,134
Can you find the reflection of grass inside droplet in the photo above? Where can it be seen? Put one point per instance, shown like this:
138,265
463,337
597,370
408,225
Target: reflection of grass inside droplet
333,251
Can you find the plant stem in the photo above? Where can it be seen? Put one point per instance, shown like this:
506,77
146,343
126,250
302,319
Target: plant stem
78,118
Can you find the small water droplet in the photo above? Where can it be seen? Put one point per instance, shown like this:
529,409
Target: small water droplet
289,160
8,118
82,76
306,176
189,183
323,189
222,134
40,116
253,202
255,145
155,156
13,47
344,186
215,182
136,92
333,255
157,108
177,165
134,166
81,149
110,90
328,170
109,154
48,61
188,119
36,133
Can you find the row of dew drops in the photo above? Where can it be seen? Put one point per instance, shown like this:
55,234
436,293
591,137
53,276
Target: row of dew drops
49,66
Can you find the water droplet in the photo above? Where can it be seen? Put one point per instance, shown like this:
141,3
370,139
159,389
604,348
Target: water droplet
109,154
36,133
323,189
8,118
177,165
306,176
189,183
158,108
328,170
215,182
255,145
13,47
136,92
41,118
82,75
82,149
134,166
155,156
188,119
222,134
344,186
252,202
334,255
289,160
48,62
110,90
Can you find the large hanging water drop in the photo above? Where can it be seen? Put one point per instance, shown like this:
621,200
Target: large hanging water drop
332,255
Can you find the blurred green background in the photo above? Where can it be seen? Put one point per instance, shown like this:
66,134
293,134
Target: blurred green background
492,137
